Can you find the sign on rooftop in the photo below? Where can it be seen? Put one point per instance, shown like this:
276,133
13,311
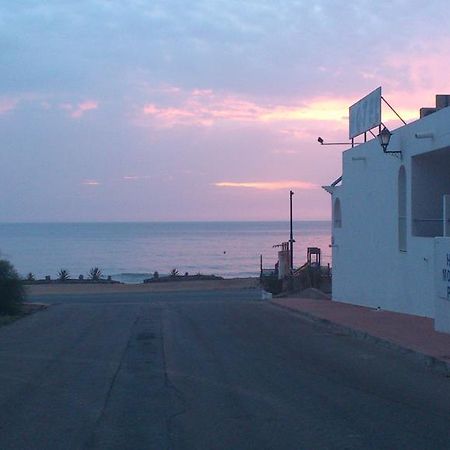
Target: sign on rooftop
365,114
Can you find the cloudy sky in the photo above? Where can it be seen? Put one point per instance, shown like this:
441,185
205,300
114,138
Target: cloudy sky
200,109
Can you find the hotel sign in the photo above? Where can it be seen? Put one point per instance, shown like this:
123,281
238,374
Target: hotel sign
442,267
365,114
442,284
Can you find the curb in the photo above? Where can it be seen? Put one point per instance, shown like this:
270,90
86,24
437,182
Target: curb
435,364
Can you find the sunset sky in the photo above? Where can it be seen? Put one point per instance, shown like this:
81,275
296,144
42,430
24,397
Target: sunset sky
200,110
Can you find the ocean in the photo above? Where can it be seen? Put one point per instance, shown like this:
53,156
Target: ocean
131,252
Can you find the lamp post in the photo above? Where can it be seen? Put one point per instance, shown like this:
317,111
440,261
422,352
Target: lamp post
291,239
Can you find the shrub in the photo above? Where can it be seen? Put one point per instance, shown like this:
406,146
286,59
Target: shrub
95,274
174,273
12,292
30,276
63,275
272,284
156,275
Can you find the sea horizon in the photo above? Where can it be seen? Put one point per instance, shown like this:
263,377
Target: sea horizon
156,221
132,251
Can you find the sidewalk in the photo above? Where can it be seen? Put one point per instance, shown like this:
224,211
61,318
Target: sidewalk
412,334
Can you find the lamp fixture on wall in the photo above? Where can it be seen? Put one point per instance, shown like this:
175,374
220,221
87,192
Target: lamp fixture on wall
384,138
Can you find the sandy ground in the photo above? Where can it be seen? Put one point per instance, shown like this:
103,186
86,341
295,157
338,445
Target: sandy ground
175,286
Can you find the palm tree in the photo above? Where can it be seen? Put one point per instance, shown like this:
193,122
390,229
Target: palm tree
63,275
95,274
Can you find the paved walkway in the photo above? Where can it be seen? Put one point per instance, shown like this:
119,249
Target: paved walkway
404,331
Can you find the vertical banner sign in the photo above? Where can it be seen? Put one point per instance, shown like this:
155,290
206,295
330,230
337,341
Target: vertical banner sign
442,267
445,290
442,284
365,114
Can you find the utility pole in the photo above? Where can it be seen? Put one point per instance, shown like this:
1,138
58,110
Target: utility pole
291,240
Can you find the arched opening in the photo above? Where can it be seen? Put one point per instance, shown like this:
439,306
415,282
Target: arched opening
337,214
402,241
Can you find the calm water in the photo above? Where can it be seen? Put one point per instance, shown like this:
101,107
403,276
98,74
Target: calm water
132,251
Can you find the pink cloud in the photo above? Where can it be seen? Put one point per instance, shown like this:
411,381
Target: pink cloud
7,104
171,115
303,119
77,111
90,183
268,185
205,107
83,107
411,77
202,92
10,103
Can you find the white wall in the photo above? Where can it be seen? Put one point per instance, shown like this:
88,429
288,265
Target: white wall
368,267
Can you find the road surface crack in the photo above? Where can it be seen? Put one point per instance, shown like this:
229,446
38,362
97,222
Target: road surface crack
177,396
101,415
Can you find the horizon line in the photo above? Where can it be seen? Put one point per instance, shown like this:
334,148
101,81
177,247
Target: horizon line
45,222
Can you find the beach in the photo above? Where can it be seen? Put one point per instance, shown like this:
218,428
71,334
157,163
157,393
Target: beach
115,288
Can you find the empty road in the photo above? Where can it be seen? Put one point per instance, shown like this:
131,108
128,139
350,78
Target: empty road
207,370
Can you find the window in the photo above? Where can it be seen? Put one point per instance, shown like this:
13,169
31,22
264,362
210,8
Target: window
402,209
430,181
337,215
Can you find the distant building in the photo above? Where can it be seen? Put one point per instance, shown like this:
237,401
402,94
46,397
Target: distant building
390,221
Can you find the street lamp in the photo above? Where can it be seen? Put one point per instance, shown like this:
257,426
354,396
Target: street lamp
291,239
384,137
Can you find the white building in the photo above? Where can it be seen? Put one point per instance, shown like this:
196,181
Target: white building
388,243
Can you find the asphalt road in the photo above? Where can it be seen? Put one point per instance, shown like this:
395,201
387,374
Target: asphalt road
217,370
